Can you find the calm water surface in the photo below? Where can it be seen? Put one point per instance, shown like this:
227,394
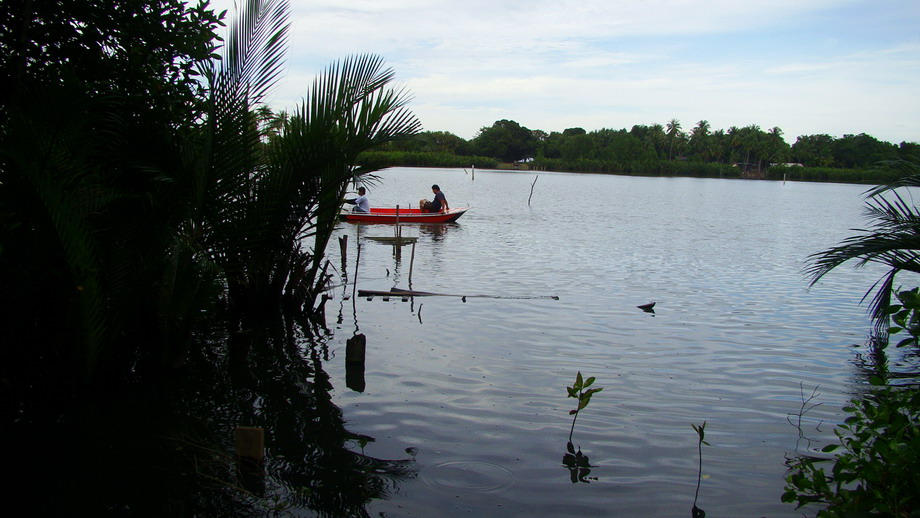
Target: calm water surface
475,390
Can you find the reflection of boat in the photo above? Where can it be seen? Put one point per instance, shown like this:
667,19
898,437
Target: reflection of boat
392,215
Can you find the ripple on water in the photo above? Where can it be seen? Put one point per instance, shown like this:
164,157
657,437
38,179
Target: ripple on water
469,475
736,340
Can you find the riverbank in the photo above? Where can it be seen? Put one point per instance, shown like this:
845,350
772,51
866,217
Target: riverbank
669,168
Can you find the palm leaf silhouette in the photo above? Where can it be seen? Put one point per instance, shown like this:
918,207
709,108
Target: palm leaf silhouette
892,240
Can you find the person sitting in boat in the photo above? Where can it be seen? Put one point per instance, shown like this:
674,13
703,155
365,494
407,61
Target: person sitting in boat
439,204
361,203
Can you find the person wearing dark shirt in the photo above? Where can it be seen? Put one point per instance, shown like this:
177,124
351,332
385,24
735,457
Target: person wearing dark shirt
439,204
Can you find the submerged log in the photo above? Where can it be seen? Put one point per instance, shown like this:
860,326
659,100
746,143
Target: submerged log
415,293
394,240
396,292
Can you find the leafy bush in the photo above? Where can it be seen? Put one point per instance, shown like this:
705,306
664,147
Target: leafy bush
906,316
878,471
638,167
381,159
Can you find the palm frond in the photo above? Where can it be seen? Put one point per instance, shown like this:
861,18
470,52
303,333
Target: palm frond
253,56
891,240
229,150
884,287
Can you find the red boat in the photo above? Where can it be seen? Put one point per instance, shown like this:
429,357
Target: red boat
393,215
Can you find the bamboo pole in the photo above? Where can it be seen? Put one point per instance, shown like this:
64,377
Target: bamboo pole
531,190
398,250
411,262
357,260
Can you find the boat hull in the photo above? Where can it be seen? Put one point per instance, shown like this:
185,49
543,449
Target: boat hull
390,216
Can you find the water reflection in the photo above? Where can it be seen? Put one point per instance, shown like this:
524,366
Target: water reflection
436,231
168,449
355,349
308,461
578,464
354,376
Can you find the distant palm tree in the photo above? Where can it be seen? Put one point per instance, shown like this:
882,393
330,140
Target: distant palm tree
777,149
657,138
674,133
700,140
893,240
733,142
750,142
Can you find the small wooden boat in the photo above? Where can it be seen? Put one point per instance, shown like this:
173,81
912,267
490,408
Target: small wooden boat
390,215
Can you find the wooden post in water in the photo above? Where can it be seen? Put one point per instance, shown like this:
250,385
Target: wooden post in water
355,348
250,454
343,247
250,442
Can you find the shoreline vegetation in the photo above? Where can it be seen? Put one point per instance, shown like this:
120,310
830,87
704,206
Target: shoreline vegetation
869,176
655,150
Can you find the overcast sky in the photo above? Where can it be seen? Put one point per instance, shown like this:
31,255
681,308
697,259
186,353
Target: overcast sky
806,66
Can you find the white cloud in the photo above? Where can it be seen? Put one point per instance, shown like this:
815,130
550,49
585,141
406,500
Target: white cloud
823,66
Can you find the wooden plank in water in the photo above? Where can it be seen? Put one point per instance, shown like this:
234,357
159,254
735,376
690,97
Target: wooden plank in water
396,292
392,239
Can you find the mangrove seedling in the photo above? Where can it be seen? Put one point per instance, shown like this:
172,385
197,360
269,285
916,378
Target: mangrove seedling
696,512
576,461
582,393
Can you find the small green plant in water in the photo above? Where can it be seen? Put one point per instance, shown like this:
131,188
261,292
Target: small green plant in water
582,393
696,512
575,460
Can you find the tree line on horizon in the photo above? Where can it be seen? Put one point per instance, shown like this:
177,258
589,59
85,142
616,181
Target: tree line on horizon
655,149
